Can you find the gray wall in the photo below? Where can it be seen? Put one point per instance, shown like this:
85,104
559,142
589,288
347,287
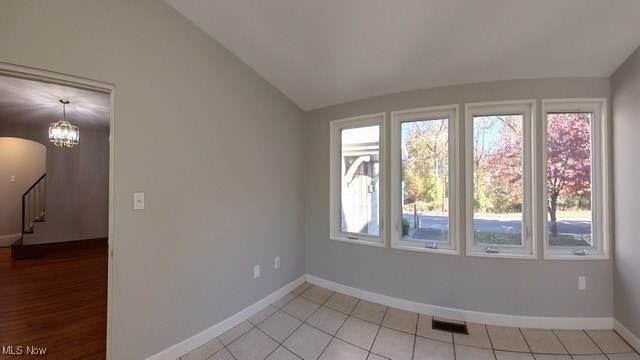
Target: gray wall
26,160
216,149
504,286
77,196
625,94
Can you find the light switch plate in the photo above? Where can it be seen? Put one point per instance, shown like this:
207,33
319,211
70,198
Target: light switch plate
138,201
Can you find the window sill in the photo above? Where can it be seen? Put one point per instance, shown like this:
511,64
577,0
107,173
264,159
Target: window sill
501,255
380,243
407,247
564,256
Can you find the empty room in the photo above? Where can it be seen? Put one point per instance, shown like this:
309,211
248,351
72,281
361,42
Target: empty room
348,179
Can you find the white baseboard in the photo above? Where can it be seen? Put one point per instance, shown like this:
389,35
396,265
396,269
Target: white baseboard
469,316
7,240
534,322
220,328
626,335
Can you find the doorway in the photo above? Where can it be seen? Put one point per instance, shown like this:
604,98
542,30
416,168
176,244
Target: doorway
85,244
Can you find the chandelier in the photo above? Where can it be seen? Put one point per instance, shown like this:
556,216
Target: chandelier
62,133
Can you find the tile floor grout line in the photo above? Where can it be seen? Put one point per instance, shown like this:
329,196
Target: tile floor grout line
305,322
454,347
325,347
493,350
370,353
453,337
525,340
315,327
345,321
607,354
561,343
287,303
415,335
596,344
633,350
229,351
378,332
236,339
224,347
285,339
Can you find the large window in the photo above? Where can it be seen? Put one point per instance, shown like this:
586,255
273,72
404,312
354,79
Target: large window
575,188
524,183
499,179
424,182
357,172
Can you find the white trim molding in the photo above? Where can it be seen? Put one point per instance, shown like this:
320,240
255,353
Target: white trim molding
627,335
40,75
526,109
337,168
194,342
7,240
600,178
534,322
400,155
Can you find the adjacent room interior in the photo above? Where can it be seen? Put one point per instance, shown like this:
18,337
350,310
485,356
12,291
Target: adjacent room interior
54,211
472,160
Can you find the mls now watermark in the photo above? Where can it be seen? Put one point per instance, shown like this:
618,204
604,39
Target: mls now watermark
19,350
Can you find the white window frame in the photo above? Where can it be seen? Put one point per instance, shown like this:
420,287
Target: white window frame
335,173
527,108
449,112
600,216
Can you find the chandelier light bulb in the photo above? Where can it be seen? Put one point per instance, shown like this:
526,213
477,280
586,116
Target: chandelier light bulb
62,133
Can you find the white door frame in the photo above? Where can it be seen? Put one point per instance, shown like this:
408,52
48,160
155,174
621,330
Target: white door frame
88,84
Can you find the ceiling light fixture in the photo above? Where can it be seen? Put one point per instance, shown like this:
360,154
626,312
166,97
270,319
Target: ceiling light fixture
62,133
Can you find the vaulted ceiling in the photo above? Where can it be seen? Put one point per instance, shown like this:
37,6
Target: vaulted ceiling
325,52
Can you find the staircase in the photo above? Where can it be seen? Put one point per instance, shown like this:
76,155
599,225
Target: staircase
33,211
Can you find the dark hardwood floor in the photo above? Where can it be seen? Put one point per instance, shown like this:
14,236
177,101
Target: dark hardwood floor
57,302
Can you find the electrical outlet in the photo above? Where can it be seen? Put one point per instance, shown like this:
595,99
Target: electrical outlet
256,271
138,201
276,262
582,283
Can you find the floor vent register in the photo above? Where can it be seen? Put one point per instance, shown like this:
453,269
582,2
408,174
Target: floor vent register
451,327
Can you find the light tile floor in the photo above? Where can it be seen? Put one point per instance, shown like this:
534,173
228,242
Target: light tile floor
315,323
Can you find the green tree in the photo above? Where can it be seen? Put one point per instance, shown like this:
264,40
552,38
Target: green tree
498,163
425,170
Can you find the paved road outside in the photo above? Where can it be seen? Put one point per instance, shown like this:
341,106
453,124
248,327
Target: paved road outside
578,226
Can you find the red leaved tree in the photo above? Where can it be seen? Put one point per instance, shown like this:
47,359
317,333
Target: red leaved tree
506,161
568,158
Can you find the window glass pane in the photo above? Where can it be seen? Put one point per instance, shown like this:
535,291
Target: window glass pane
497,180
360,156
425,180
569,179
